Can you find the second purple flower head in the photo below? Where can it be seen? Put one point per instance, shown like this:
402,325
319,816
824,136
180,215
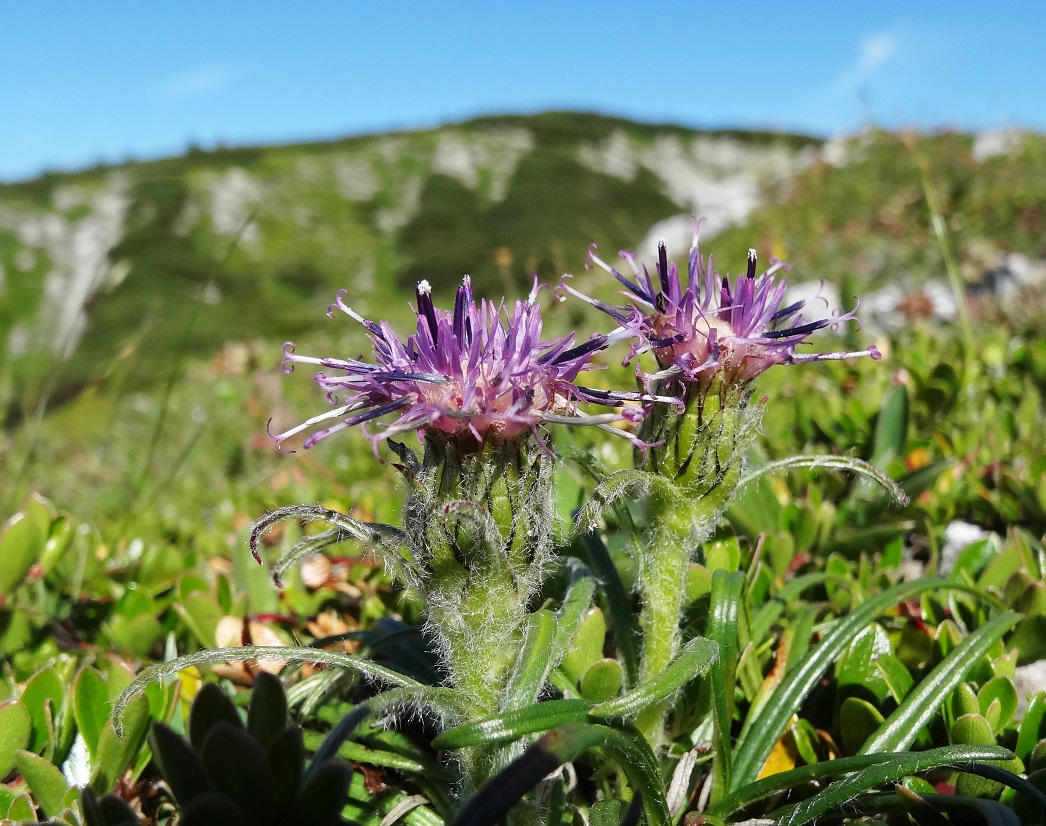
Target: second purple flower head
712,327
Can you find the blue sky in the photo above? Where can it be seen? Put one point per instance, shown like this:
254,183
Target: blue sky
82,83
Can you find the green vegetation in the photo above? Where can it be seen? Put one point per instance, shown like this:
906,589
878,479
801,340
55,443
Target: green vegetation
131,499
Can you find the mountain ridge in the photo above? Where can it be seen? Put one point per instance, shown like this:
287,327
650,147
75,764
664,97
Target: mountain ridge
178,256
266,231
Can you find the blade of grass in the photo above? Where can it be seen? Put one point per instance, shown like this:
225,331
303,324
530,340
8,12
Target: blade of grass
892,768
775,783
576,602
724,608
761,731
619,607
535,660
512,725
901,728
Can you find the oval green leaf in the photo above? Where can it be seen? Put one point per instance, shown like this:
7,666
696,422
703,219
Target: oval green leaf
696,658
21,544
44,780
15,729
90,707
602,681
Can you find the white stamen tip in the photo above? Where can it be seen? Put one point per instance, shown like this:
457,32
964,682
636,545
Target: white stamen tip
751,255
424,287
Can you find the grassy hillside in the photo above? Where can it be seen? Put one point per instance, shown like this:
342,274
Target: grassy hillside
190,252
172,284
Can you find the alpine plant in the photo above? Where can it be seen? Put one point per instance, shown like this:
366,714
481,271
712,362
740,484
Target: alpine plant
709,339
479,387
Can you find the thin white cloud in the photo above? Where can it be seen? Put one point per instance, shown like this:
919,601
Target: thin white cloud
835,104
200,81
874,51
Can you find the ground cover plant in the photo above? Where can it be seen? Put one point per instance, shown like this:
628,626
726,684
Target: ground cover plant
677,621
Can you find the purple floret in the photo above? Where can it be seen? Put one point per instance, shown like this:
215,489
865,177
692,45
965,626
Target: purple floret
472,372
712,328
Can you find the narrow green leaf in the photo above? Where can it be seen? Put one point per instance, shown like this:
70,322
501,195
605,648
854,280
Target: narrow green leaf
696,658
15,728
619,606
399,807
267,712
869,474
44,780
357,753
290,653
515,724
761,731
769,611
891,430
535,660
792,646
888,768
1031,726
724,608
576,602
443,703
922,703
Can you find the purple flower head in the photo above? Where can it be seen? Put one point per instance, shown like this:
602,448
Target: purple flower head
472,372
712,327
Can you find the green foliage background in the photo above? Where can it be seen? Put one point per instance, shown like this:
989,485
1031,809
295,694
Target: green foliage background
148,439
